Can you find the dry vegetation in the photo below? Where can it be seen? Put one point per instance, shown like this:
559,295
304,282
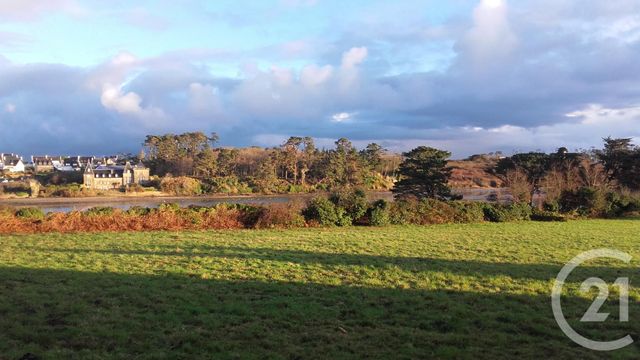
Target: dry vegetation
474,173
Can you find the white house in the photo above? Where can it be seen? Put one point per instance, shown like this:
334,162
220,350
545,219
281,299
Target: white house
11,163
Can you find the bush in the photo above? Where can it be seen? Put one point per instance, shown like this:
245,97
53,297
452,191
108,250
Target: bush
18,188
354,202
227,185
403,211
378,213
100,211
69,191
551,206
467,212
585,201
431,211
30,213
507,213
138,211
181,186
326,213
620,204
168,207
134,188
545,215
280,216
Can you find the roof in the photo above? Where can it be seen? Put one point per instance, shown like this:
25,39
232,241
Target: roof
10,159
101,168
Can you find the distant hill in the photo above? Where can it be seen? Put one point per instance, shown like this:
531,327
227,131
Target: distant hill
474,172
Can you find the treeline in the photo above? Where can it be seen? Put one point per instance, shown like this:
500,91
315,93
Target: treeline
295,166
599,182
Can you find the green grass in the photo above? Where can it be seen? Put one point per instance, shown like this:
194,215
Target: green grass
450,291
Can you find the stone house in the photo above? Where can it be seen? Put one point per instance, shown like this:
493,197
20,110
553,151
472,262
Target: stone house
11,163
110,177
43,164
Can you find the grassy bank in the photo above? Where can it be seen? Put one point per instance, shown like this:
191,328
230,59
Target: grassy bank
457,291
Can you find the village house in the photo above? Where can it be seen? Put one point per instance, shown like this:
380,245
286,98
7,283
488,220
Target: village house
78,163
109,177
11,163
46,163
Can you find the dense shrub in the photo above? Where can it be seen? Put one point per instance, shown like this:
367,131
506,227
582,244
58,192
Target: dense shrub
551,206
585,201
181,186
30,213
546,215
100,211
506,213
226,185
138,211
620,204
353,201
467,212
168,207
324,212
17,187
280,216
134,188
70,191
378,214
320,211
403,211
431,211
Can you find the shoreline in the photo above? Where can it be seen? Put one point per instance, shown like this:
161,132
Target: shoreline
138,198
126,199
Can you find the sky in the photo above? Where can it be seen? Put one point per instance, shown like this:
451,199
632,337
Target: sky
95,77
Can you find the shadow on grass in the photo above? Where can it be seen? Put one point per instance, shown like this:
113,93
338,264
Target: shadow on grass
67,314
542,272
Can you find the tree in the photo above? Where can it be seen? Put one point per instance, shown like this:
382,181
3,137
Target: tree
177,154
372,155
206,164
343,166
424,174
290,151
266,179
226,162
621,161
534,164
308,157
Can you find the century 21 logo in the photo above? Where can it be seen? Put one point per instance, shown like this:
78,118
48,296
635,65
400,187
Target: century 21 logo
592,314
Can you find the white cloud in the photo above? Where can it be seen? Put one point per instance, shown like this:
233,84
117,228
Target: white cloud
10,108
355,56
491,40
342,117
282,76
124,59
312,75
128,104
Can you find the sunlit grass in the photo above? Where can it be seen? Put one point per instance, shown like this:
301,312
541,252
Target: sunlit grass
459,291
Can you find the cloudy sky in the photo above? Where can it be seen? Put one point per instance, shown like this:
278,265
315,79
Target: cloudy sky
89,76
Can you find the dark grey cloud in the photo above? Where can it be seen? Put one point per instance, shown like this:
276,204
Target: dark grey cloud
525,75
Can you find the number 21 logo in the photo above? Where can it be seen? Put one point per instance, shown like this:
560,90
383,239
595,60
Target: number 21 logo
592,314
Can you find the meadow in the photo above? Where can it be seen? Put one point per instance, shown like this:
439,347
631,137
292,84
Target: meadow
442,291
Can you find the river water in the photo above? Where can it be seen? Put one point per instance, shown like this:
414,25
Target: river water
64,205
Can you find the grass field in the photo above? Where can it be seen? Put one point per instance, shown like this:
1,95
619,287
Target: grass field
449,291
